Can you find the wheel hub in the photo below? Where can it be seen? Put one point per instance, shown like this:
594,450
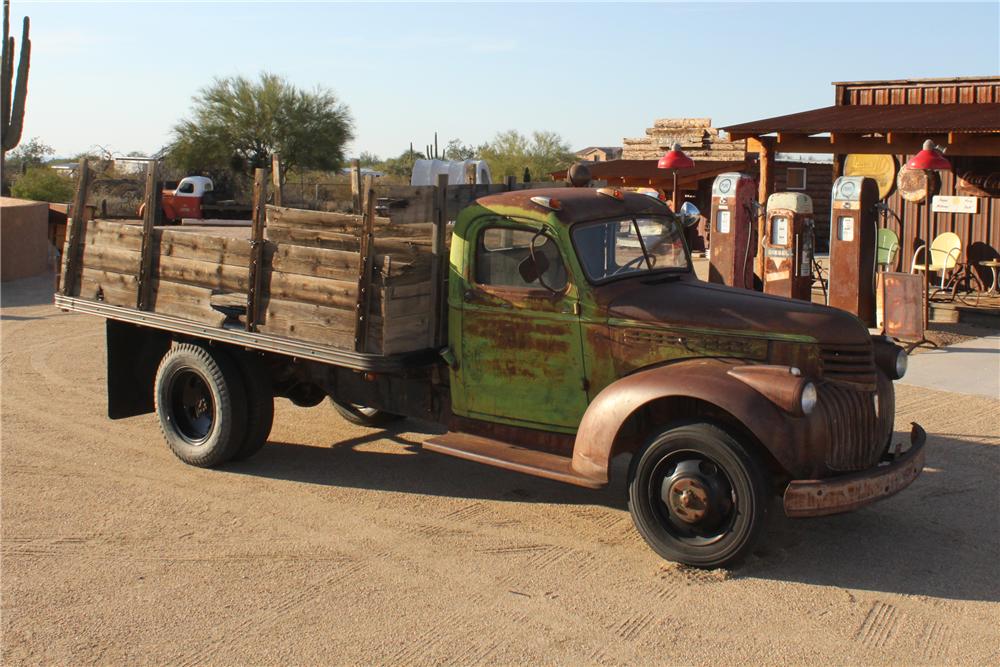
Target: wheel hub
687,499
696,494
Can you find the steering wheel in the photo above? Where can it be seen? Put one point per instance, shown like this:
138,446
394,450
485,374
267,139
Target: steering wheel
634,260
534,260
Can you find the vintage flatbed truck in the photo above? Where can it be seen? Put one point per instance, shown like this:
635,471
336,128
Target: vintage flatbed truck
564,327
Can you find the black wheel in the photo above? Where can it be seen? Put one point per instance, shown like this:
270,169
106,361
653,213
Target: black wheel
201,404
260,404
698,496
362,415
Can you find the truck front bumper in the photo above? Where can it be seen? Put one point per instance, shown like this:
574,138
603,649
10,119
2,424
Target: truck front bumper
819,497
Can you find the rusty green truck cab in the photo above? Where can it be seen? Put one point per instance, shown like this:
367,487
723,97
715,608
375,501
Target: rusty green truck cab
578,332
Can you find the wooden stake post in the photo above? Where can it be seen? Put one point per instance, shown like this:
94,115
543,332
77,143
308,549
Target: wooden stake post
76,231
256,278
356,186
367,253
143,299
439,268
276,176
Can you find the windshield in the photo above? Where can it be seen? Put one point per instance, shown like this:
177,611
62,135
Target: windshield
627,246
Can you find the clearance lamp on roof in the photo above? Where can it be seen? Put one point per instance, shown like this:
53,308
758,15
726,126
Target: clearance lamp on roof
673,160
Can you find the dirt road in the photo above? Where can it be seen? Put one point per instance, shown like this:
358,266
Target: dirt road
344,545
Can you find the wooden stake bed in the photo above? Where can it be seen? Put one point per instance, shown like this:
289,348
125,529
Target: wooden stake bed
374,285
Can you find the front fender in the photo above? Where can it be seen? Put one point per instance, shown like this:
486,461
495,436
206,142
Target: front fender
785,436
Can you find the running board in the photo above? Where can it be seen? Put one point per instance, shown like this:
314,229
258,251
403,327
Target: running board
511,457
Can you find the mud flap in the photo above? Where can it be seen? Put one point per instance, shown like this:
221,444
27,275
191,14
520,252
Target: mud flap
134,353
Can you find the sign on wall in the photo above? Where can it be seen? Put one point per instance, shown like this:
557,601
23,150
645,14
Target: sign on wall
943,204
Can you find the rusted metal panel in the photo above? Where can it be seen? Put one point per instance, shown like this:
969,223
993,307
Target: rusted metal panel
805,498
902,313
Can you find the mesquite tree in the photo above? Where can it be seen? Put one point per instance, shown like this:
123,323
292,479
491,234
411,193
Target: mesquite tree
12,96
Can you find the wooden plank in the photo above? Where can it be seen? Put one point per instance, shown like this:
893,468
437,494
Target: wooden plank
75,231
344,223
366,255
415,305
113,234
317,262
117,289
186,301
223,277
203,247
318,291
417,207
255,273
316,324
276,176
110,258
150,206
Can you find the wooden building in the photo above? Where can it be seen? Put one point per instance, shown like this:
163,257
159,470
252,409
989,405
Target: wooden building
893,118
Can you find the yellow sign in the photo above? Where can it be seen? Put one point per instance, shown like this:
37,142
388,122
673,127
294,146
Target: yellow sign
881,168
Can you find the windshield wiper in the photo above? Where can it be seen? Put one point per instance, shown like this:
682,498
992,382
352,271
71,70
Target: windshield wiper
642,244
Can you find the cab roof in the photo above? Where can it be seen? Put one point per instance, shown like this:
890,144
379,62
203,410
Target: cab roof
577,204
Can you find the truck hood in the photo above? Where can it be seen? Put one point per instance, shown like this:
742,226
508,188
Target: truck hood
688,302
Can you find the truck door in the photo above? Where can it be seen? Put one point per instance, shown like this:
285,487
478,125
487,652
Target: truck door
521,355
187,201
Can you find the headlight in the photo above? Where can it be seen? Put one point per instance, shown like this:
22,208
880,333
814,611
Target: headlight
902,359
808,398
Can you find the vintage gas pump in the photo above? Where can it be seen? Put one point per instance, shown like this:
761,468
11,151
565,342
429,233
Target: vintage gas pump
789,244
853,231
733,225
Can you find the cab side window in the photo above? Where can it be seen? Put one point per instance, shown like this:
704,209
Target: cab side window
501,251
186,188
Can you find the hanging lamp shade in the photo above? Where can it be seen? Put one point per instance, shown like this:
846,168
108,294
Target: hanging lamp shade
675,159
929,159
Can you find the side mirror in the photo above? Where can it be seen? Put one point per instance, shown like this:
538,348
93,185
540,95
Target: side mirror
689,214
533,266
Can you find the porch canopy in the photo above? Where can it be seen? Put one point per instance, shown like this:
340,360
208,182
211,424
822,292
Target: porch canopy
965,129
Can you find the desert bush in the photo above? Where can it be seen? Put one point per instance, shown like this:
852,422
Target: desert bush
43,184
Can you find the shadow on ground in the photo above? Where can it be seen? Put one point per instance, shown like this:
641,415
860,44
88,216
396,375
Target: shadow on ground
937,538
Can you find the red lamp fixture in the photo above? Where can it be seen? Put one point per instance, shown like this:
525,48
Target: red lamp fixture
675,159
929,159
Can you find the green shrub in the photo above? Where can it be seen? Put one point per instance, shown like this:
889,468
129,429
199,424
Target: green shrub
43,184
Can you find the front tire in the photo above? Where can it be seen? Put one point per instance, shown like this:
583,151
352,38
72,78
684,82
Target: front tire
697,496
201,403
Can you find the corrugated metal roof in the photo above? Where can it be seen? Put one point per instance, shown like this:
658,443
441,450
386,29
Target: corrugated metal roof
932,118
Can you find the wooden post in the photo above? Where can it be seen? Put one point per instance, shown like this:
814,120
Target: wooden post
356,187
77,230
439,249
276,177
511,182
766,187
143,298
366,252
256,277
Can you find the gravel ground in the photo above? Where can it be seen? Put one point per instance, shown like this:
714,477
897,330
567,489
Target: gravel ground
344,545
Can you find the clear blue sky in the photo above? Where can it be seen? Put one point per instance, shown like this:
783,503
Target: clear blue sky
120,74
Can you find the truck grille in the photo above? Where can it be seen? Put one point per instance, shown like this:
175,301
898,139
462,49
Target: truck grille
852,364
858,432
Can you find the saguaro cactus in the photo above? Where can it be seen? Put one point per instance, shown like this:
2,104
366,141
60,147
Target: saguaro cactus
12,95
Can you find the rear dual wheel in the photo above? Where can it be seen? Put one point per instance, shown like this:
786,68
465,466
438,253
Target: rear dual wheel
213,407
698,496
